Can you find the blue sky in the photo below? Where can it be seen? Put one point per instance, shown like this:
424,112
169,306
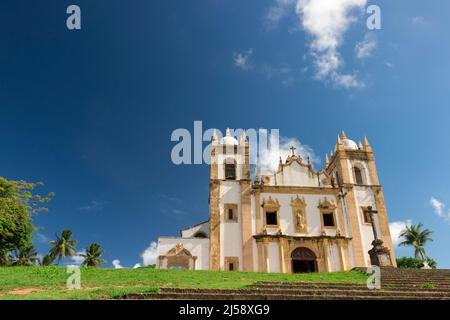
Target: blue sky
90,112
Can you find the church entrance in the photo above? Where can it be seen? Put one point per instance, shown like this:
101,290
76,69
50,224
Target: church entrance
303,260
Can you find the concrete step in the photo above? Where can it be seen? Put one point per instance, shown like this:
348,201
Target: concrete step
358,287
311,292
218,296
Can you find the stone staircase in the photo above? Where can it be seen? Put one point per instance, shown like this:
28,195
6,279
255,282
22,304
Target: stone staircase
396,284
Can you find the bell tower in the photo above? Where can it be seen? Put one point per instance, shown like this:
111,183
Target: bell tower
353,170
230,170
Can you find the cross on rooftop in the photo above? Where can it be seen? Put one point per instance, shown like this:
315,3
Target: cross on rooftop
293,149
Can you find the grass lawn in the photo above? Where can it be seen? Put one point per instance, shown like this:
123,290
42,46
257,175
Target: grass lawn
103,283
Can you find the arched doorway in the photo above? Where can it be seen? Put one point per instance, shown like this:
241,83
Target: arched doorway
303,260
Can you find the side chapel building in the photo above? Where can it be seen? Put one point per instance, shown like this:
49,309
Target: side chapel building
294,220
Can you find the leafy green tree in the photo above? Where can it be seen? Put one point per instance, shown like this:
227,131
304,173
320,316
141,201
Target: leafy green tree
413,263
416,237
26,256
92,256
63,246
18,204
5,258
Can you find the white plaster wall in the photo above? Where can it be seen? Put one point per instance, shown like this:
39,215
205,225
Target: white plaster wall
296,175
230,232
274,257
189,233
312,213
364,198
196,246
334,258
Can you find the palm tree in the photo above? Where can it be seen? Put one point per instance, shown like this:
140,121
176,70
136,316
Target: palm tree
92,256
64,247
47,260
25,256
417,237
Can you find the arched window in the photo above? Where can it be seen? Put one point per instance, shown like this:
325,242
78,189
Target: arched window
358,175
200,234
230,170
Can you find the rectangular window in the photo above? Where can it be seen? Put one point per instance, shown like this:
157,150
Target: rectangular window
366,216
271,218
230,214
328,219
231,267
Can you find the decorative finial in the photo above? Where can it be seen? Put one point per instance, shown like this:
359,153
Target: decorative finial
367,146
340,145
243,137
327,161
228,132
343,135
256,174
360,146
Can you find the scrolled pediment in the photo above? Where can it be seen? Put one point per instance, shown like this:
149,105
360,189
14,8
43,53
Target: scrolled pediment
326,204
298,202
271,203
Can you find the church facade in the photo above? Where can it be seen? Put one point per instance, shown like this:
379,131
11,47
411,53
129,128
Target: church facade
294,220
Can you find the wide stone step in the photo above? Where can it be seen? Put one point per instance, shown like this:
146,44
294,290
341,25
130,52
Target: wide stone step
311,292
359,287
218,296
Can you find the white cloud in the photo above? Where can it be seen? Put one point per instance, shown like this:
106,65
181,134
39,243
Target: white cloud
278,11
396,228
347,81
137,265
418,20
365,48
116,264
78,259
270,157
150,254
389,64
94,205
242,59
439,209
327,21
40,237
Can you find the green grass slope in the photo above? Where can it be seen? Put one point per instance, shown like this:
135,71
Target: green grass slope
103,283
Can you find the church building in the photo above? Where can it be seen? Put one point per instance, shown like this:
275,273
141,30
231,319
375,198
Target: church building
293,220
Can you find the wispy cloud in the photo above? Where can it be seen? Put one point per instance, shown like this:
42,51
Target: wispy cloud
327,22
270,157
439,209
242,59
40,237
169,198
116,264
365,48
94,205
418,20
396,228
277,12
267,70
